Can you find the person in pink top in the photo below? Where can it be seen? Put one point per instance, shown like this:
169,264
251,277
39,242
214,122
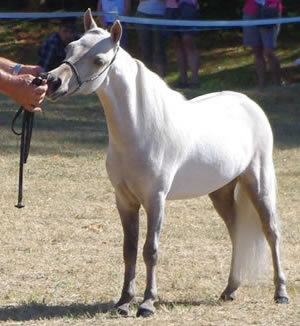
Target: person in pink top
262,40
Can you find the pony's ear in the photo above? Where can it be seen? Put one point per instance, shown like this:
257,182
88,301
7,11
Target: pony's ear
88,20
116,31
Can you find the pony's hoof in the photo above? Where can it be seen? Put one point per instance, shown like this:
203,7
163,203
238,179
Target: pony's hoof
281,300
123,310
143,312
146,309
227,297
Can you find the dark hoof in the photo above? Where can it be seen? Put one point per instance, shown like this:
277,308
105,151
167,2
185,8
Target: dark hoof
225,297
142,312
123,310
281,300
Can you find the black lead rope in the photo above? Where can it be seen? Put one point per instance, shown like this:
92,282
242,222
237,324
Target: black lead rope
26,133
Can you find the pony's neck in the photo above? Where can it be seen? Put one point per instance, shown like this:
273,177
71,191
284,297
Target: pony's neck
124,101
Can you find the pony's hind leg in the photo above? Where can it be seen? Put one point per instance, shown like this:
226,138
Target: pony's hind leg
261,187
129,214
223,201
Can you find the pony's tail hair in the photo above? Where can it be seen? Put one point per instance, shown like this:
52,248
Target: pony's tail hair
249,243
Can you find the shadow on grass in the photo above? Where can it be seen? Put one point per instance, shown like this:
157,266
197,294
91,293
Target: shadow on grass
36,311
40,311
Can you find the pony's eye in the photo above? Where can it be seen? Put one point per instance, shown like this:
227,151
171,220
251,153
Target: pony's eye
99,61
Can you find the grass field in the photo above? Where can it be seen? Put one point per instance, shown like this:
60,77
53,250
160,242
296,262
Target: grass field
61,255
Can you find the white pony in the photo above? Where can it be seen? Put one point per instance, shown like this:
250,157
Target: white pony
162,146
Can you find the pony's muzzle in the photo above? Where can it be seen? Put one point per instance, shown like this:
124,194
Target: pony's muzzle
53,82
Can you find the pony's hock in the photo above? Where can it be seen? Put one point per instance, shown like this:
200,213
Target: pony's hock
164,147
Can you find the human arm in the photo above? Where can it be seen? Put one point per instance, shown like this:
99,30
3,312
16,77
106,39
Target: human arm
9,66
19,87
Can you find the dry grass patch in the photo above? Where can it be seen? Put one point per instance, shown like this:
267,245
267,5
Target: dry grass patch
61,256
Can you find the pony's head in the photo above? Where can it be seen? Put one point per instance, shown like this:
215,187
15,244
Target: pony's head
87,61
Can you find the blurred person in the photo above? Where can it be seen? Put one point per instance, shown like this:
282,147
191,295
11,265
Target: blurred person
52,51
109,11
262,40
151,38
184,40
15,82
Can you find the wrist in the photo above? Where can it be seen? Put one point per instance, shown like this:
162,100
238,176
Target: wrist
17,69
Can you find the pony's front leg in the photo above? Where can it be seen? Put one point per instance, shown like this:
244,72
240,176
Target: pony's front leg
155,213
129,214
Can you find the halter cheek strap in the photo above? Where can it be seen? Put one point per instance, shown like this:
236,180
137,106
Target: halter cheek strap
92,78
75,71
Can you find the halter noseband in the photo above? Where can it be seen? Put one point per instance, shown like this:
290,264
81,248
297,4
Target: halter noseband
76,73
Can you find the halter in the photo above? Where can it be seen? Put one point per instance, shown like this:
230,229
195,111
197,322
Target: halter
76,73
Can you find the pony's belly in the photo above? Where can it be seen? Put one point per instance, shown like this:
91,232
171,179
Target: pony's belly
192,190
194,182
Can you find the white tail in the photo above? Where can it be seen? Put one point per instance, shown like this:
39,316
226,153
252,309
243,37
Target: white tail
250,246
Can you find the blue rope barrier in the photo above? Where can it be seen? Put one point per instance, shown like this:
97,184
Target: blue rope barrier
152,21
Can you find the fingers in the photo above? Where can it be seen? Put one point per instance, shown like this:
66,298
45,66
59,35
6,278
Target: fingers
42,89
35,102
38,97
29,95
32,108
37,109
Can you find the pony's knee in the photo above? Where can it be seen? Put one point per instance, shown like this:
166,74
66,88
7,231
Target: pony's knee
150,254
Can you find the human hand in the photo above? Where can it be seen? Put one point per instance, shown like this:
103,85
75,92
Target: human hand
27,94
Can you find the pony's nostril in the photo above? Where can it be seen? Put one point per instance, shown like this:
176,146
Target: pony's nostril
53,82
57,83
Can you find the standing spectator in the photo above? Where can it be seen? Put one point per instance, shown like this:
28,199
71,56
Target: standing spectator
15,82
151,37
109,11
52,51
184,39
262,40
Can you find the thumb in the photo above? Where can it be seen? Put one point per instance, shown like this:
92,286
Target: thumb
37,109
32,109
